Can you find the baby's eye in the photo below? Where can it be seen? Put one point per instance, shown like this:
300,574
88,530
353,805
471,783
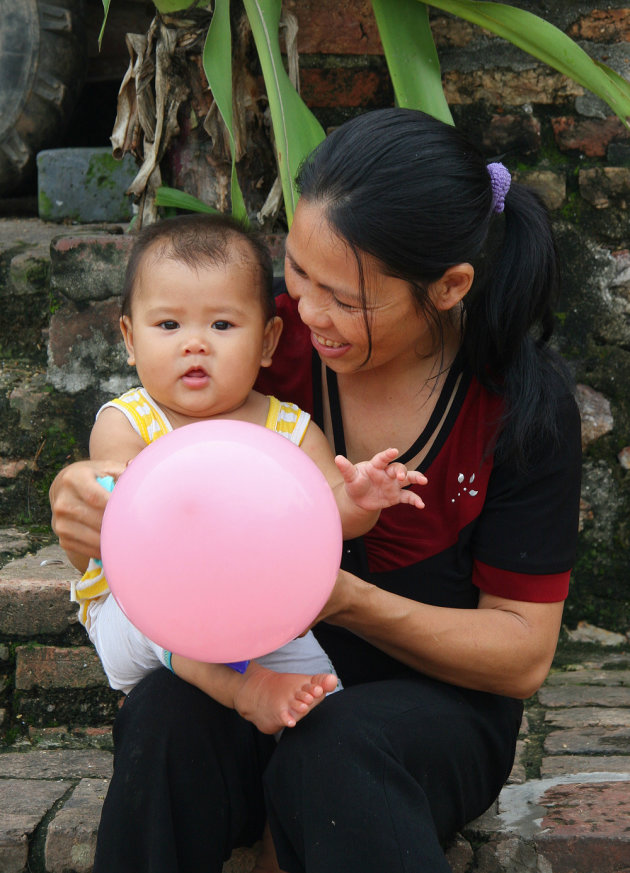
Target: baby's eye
221,325
168,325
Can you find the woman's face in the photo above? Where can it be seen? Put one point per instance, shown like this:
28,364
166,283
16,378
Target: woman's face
322,274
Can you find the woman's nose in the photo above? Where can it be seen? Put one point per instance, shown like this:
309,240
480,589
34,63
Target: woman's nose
311,308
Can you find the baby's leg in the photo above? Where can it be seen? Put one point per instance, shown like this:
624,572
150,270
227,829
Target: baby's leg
126,654
273,700
269,700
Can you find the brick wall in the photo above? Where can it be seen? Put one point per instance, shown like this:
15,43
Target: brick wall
550,133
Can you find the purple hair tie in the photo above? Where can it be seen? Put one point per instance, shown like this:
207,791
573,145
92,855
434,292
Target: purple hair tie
500,179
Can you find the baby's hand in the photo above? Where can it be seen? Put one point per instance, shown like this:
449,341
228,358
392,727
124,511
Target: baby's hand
379,483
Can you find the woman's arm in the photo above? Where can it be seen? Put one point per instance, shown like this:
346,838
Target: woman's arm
504,646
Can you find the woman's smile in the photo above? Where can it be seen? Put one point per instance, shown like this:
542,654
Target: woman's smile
327,347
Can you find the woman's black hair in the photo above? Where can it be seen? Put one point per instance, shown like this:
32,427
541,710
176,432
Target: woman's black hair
414,194
197,239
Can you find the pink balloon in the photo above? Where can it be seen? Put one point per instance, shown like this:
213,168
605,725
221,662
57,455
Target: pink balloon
221,541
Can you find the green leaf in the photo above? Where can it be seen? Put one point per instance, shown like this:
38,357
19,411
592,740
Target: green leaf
296,130
105,14
546,42
165,196
217,65
411,56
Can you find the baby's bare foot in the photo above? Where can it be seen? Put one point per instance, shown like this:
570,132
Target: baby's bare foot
273,701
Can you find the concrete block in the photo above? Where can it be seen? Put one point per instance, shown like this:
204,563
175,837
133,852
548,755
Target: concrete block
84,184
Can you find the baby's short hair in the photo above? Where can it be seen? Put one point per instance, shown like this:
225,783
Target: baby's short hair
200,238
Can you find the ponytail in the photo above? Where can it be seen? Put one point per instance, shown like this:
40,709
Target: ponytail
509,322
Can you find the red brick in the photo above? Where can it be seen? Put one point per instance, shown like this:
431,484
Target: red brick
345,87
454,32
602,25
586,828
49,667
330,27
591,136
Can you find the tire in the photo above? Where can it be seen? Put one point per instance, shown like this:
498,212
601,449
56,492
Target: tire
43,60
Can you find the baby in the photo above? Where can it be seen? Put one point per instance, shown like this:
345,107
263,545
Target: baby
198,321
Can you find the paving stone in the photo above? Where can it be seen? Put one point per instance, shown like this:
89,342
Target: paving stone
562,765
582,741
583,716
590,677
71,835
56,764
518,773
22,807
569,696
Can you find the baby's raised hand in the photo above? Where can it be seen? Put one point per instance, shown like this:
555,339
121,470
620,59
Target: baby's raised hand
379,483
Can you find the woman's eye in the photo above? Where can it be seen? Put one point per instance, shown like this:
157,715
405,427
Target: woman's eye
221,325
168,325
347,306
295,269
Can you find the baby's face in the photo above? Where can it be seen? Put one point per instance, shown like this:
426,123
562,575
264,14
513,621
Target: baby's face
197,337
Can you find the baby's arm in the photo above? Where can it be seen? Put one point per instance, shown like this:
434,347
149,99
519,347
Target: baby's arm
269,700
113,442
362,490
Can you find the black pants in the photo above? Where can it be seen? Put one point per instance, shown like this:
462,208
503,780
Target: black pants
371,781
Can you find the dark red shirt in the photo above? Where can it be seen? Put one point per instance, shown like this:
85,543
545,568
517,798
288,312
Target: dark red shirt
485,526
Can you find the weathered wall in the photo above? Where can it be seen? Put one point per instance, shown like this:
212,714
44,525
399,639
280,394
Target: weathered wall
547,130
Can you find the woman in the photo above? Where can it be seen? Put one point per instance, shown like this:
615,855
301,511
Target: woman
416,318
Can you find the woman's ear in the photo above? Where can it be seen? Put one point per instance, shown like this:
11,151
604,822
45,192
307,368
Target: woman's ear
448,291
127,331
273,329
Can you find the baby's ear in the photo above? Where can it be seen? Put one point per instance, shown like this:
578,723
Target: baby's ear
271,337
127,331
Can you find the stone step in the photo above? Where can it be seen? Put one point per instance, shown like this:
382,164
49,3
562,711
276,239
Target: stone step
50,803
570,813
52,673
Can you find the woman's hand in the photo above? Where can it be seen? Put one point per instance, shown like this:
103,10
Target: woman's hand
78,502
